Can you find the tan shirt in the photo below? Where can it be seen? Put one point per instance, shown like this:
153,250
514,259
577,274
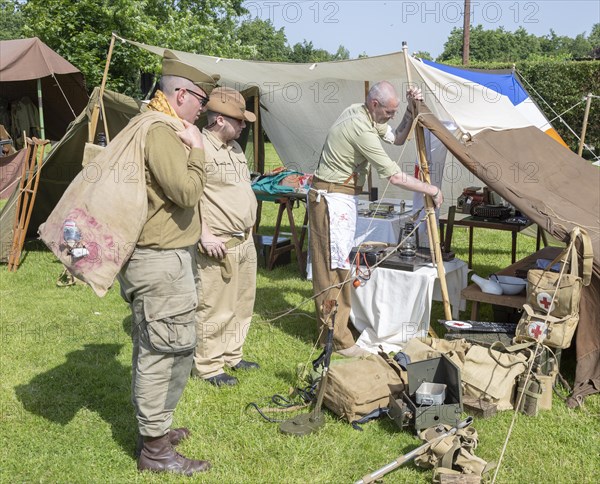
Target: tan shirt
228,205
175,181
353,143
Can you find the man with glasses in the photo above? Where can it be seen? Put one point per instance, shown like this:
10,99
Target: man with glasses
352,145
226,255
158,279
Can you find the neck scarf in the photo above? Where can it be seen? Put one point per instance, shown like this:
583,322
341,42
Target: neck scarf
159,103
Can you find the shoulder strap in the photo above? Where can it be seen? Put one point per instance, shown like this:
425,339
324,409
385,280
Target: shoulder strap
378,412
587,255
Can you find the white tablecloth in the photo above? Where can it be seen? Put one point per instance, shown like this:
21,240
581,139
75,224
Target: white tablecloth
369,229
394,306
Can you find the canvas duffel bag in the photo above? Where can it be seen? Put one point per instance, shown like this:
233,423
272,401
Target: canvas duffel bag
356,387
551,313
490,373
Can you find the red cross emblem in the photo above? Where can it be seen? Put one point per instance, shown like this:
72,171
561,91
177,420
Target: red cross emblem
536,329
544,300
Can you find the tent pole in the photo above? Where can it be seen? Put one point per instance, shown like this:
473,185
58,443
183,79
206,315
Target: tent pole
432,227
100,105
41,109
585,122
369,175
256,127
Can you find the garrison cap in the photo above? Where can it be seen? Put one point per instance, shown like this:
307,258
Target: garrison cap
172,66
229,102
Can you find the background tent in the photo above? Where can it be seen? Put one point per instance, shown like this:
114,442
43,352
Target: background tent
64,162
29,64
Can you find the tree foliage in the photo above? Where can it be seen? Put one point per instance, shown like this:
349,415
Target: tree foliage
500,45
81,31
11,20
267,43
306,52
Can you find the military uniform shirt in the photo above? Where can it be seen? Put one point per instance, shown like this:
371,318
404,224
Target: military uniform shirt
175,181
352,144
228,205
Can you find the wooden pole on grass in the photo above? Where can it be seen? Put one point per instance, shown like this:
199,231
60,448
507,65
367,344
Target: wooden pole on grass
432,227
99,106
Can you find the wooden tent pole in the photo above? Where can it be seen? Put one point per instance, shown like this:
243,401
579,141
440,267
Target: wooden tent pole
100,105
256,127
585,122
259,150
41,109
369,174
434,236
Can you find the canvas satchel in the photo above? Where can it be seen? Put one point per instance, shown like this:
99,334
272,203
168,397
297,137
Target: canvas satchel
107,204
490,374
551,313
356,387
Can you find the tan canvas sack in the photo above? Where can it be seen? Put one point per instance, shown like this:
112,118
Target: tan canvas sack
490,375
551,313
107,203
356,387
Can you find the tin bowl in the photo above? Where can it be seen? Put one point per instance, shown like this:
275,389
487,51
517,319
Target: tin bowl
510,285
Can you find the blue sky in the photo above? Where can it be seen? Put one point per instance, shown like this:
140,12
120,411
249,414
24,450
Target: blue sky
379,27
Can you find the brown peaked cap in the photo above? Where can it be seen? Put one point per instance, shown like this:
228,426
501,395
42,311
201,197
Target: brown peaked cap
172,66
228,101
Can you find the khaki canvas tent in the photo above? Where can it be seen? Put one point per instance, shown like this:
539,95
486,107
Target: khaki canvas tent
64,162
29,68
494,140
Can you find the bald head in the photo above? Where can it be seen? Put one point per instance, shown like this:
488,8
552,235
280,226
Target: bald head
382,102
383,92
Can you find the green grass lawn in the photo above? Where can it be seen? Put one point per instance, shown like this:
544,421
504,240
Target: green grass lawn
65,413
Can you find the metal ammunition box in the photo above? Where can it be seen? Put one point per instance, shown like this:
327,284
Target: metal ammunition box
435,370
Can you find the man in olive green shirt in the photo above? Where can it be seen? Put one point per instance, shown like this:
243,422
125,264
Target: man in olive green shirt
226,258
353,144
158,279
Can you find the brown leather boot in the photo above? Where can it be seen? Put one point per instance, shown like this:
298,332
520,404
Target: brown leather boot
175,437
158,456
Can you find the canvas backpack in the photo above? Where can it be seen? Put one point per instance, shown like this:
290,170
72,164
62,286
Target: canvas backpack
358,386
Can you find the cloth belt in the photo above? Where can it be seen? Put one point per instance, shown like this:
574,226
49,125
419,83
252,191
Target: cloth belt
331,187
225,263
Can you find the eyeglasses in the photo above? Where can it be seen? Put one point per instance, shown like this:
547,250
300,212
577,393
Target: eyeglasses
203,99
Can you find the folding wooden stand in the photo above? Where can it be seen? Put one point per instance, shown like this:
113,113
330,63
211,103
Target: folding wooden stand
30,179
286,204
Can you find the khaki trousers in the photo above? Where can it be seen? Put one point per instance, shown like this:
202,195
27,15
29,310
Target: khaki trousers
323,276
159,286
224,309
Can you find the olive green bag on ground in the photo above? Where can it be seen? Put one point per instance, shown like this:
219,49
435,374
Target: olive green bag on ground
356,387
551,313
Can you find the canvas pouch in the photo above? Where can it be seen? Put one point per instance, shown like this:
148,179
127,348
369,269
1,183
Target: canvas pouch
356,387
490,374
551,313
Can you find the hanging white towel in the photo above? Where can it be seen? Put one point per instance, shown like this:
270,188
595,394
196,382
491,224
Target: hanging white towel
342,210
